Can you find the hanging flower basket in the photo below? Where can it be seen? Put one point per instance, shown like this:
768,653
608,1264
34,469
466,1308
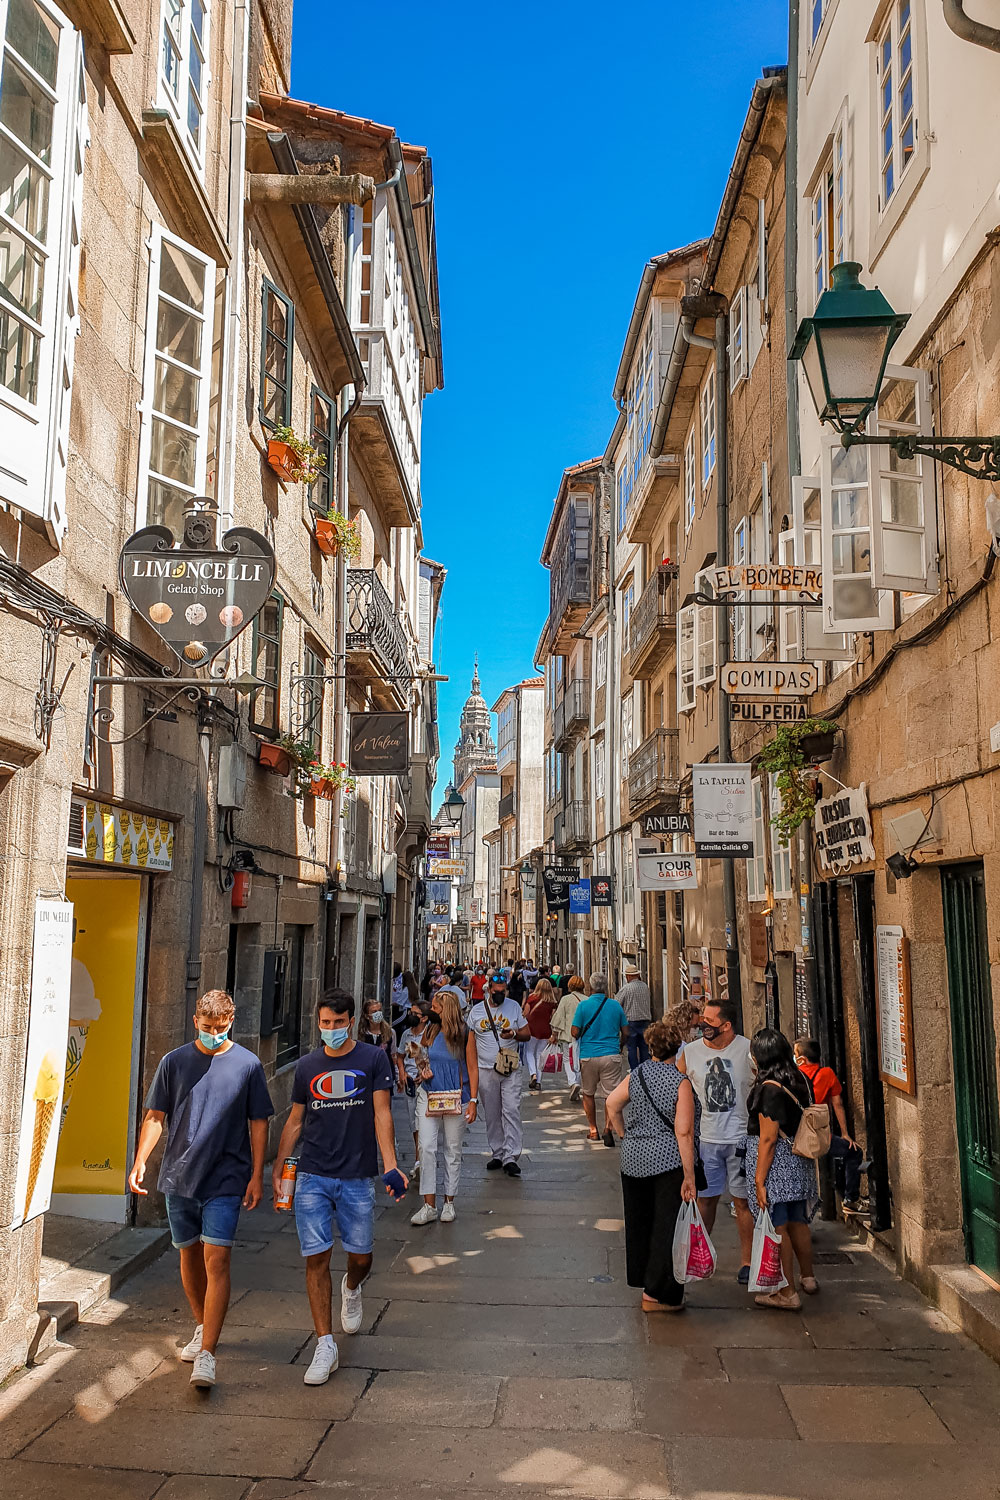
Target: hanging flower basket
341,535
324,787
292,458
818,747
274,758
327,539
786,759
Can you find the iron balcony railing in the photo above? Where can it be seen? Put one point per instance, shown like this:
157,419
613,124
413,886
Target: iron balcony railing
372,622
506,807
653,767
572,715
571,826
653,619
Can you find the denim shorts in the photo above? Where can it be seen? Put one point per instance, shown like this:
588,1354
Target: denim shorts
789,1213
211,1220
319,1199
725,1169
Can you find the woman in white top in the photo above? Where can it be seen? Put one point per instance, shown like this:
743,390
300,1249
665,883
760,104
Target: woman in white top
562,1032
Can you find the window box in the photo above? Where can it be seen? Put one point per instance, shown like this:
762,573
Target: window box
284,460
322,786
274,758
326,536
818,747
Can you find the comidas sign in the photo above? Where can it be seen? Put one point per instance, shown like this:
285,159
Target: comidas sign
197,600
770,679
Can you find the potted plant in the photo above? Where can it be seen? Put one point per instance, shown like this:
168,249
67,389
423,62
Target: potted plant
274,757
324,780
292,458
787,759
335,533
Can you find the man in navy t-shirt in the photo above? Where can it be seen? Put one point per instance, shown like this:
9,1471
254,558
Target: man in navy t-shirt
213,1097
341,1111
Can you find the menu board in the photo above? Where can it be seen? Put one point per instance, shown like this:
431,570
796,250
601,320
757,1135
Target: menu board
895,1010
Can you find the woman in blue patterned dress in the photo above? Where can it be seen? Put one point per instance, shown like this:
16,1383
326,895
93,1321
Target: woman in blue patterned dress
785,1184
655,1111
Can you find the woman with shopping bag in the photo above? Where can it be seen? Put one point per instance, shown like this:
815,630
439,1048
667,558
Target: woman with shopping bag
655,1112
783,1185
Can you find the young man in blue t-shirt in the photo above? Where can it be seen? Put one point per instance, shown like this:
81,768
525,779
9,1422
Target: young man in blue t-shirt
213,1098
341,1109
600,1025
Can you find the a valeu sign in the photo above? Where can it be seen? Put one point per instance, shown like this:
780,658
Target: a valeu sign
380,744
197,601
844,830
771,679
776,578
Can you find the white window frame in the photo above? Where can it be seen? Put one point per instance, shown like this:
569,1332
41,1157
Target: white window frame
706,403
599,769
830,208
706,658
34,433
686,632
781,854
627,730
738,364
757,862
158,239
601,660
628,604
690,479
920,481
895,124
177,32
739,634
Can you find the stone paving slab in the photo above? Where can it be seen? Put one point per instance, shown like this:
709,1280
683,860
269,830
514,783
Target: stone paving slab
583,1405
244,1390
863,1367
501,1291
704,1408
34,1481
863,1414
185,1442
971,1414
751,1328
489,1461
530,1326
504,1357
509,1259
202,1487
290,1309
446,1401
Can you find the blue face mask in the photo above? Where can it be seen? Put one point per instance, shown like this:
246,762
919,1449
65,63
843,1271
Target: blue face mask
336,1038
211,1042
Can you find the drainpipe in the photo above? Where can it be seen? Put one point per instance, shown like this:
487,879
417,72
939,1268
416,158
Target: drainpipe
225,460
709,304
612,756
970,31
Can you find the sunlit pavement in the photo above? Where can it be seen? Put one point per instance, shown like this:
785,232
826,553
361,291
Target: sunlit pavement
504,1354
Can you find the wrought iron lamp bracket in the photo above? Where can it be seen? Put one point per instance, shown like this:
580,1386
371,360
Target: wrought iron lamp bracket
978,457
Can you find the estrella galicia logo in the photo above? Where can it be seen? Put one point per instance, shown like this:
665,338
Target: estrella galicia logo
345,1083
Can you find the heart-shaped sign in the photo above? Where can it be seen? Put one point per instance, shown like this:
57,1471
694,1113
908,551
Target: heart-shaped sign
197,601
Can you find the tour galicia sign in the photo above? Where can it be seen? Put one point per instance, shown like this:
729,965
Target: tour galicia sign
196,597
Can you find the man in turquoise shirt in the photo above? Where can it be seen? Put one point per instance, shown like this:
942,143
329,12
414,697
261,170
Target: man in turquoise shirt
600,1026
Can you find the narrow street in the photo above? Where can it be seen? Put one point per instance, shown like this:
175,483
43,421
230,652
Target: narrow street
504,1354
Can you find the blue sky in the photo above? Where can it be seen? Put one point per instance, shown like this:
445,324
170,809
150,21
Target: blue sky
570,143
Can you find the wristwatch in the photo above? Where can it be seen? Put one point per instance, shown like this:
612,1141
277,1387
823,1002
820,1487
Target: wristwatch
473,1101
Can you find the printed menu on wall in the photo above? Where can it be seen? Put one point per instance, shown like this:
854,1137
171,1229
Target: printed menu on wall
895,1011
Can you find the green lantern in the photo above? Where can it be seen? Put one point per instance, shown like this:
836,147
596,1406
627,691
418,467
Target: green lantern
844,348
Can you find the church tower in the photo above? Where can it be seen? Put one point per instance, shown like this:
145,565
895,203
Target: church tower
475,750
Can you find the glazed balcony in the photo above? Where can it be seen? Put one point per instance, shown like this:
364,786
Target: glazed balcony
653,769
571,827
386,428
657,478
376,642
571,577
652,626
572,715
505,807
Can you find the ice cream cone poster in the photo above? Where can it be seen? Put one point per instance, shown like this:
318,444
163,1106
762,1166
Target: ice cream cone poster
45,1063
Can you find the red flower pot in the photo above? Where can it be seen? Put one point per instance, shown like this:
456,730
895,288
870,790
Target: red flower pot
322,786
326,536
284,460
273,758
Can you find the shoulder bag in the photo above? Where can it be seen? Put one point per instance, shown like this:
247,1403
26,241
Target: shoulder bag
700,1180
584,1029
508,1059
812,1137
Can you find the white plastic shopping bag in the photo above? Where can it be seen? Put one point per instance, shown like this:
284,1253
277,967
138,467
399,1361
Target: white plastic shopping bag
694,1253
766,1274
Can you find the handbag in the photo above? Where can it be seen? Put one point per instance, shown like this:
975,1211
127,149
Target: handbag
444,1102
812,1136
508,1059
700,1180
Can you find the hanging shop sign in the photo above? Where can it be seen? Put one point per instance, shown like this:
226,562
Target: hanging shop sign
529,887
579,898
439,843
557,880
501,925
45,1062
758,939
760,711
667,872
775,578
895,1009
723,813
107,835
665,824
379,744
444,869
197,598
844,830
460,929
771,679
437,897
602,891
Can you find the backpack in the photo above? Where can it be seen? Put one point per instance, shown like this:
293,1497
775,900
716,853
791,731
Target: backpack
812,1138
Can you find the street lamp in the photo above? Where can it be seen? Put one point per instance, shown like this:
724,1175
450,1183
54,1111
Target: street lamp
844,349
451,808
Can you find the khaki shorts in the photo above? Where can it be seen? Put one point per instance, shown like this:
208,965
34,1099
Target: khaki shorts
601,1075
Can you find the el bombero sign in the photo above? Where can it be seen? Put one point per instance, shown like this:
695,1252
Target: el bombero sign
844,830
197,597
380,744
775,578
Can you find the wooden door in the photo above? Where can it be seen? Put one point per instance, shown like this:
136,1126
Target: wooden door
974,1047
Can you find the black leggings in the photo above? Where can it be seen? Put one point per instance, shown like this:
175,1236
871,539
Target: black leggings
651,1208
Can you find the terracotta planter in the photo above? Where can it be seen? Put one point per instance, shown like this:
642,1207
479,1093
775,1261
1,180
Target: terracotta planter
818,747
321,786
326,536
284,461
273,758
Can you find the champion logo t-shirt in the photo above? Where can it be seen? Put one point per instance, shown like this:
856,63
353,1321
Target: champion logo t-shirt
338,1136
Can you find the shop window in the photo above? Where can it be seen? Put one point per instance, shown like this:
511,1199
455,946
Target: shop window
277,329
289,1024
173,449
757,864
266,664
184,71
323,437
43,133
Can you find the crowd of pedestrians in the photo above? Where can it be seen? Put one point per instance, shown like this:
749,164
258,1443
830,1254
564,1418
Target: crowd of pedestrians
702,1113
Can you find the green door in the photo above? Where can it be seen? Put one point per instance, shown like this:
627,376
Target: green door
975,1052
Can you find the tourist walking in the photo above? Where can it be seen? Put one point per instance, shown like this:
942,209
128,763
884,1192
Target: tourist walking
447,1097
538,1010
600,1028
478,984
827,1089
636,1001
212,1097
340,1119
376,1031
656,1114
562,1033
718,1064
497,1025
517,988
784,1184
410,1052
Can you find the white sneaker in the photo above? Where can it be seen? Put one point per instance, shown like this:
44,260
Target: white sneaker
350,1307
425,1214
191,1351
203,1374
448,1214
326,1359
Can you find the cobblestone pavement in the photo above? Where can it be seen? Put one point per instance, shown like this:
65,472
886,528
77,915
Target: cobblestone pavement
504,1354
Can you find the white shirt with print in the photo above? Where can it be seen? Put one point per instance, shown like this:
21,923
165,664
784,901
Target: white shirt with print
722,1078
508,1019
